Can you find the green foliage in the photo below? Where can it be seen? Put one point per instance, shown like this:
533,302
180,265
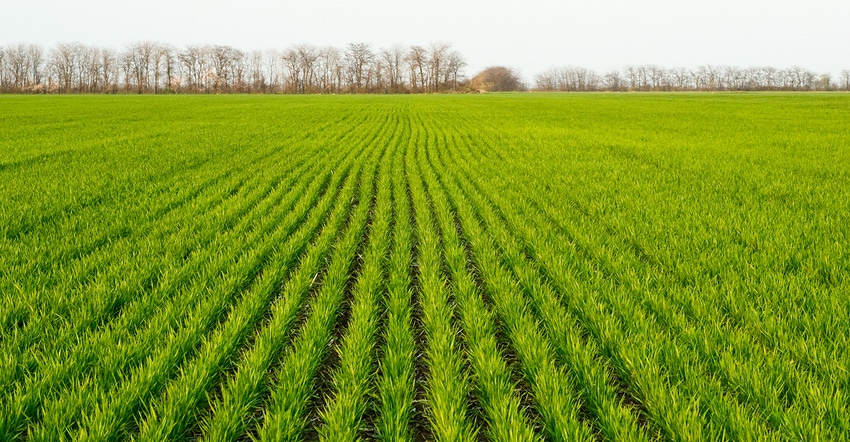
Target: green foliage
501,267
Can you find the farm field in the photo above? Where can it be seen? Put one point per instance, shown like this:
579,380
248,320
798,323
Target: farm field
494,267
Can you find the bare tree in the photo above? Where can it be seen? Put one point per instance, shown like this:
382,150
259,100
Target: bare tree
698,78
330,69
844,80
417,63
436,61
23,63
125,64
454,64
140,60
256,74
730,78
36,59
769,77
680,78
308,59
545,80
797,78
712,77
188,66
643,78
164,65
195,64
824,82
753,78
274,70
88,73
292,67
18,66
654,77
392,60
63,61
4,77
224,60
613,81
632,78
359,57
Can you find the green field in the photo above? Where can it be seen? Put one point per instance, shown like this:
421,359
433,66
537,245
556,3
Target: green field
494,267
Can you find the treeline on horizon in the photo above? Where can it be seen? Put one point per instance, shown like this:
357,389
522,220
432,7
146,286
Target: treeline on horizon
150,67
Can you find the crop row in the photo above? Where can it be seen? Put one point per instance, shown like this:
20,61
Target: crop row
415,269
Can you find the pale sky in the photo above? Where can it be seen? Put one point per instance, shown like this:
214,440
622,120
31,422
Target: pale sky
530,35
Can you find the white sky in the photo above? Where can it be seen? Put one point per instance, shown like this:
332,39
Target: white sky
530,35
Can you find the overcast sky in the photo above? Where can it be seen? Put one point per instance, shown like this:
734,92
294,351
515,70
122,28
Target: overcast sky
530,35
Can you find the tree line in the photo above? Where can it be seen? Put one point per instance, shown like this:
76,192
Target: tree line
151,67
702,78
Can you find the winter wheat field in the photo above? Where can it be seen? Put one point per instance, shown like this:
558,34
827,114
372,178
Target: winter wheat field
496,267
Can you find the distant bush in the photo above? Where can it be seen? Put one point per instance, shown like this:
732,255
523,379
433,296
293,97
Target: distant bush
497,79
